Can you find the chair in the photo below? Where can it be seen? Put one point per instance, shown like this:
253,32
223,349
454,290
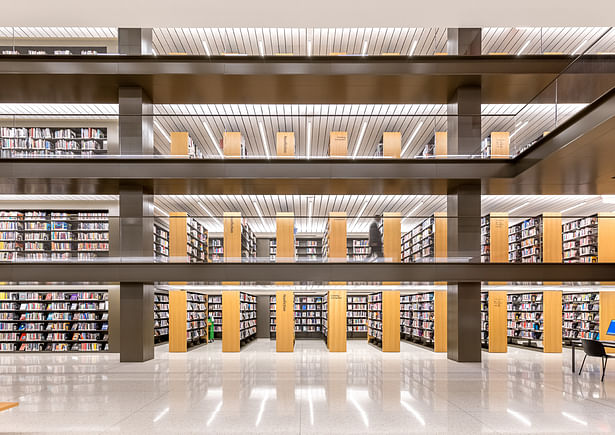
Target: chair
595,348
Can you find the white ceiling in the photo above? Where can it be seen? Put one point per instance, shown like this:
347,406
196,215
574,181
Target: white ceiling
320,13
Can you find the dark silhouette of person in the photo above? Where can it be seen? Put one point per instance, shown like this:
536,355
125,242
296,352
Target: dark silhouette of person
375,239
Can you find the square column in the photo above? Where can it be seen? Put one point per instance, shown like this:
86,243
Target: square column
136,122
134,41
137,322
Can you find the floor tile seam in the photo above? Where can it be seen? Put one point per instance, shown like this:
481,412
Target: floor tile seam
118,422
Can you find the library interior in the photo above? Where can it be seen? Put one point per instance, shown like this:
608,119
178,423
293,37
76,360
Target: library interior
214,224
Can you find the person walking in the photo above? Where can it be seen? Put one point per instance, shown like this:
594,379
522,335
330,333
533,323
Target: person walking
210,325
375,240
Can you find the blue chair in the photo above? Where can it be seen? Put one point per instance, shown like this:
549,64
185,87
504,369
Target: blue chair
595,348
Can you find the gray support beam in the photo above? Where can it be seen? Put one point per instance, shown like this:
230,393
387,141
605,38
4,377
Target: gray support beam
463,317
134,41
464,121
136,122
137,322
464,41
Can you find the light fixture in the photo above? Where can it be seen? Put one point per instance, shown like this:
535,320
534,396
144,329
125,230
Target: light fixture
517,207
364,49
310,210
574,206
208,212
519,417
261,48
309,48
579,47
524,47
518,129
414,133
412,48
206,47
411,212
261,128
359,140
154,52
211,135
159,210
162,131
308,147
356,219
260,214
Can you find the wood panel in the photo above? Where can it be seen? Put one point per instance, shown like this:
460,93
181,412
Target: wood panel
230,321
285,144
336,318
606,238
178,237
232,236
498,237
8,405
498,339
177,321
500,145
391,144
607,313
390,320
440,321
285,237
285,319
552,321
179,143
440,236
231,144
441,144
551,237
337,236
338,144
392,236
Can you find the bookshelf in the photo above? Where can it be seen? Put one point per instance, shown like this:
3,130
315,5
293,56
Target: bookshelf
484,319
272,249
308,249
536,240
248,241
525,319
161,317
357,249
272,317
405,317
216,249
183,145
334,243
308,317
247,325
580,316
188,239
580,240
52,141
374,318
40,235
390,145
356,316
233,144
325,317
215,311
57,321
383,320
437,145
496,145
338,144
197,241
423,317
425,240
161,243
494,243
196,318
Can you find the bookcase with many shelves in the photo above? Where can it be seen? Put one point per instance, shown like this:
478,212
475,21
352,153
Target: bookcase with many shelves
580,240
419,242
357,249
525,241
308,317
485,227
272,317
581,316
248,240
484,319
161,317
161,243
374,318
197,242
356,316
196,318
216,249
272,249
40,235
52,141
54,321
525,319
325,316
308,249
405,317
215,311
423,316
247,313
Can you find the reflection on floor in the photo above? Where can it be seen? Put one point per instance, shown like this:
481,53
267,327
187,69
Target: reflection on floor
308,391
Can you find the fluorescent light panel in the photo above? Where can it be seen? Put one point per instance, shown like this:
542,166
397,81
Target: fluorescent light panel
162,131
308,148
573,207
412,48
213,138
524,47
517,207
579,47
260,214
359,140
261,48
354,223
309,48
261,128
414,133
209,213
206,47
364,49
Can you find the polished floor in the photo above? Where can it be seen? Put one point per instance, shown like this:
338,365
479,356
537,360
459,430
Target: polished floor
308,391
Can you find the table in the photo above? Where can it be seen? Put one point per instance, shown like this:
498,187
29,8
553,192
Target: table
575,343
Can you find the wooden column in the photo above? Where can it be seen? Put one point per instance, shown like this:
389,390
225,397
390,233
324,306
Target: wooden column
440,239
284,320
440,321
336,318
607,313
498,322
498,237
390,320
231,144
285,144
230,321
441,144
606,239
500,145
179,143
232,236
177,321
552,321
338,144
391,144
337,237
285,237
551,237
178,237
392,236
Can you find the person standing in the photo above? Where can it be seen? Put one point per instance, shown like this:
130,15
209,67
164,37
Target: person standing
210,325
375,239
